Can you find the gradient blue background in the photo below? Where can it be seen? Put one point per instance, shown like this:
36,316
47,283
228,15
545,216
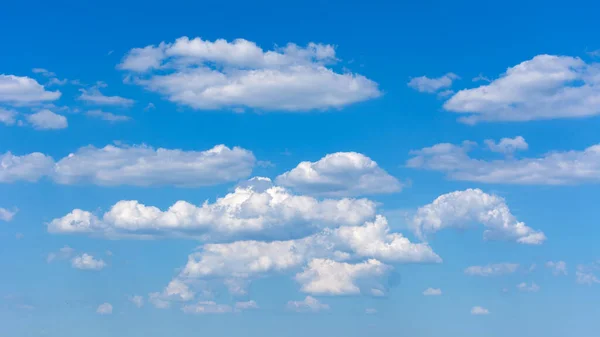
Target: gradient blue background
386,41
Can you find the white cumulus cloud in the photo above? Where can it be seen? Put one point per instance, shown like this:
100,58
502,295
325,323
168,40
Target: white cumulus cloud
237,263
245,212
30,167
87,262
329,277
430,85
340,174
553,168
8,116
139,165
472,206
240,74
47,120
104,309
23,90
545,87
507,145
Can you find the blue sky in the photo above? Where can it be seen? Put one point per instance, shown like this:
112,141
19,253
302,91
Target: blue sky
324,168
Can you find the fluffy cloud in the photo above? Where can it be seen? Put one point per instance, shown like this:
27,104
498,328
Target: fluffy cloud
6,215
479,311
374,240
20,90
324,276
238,262
492,269
432,292
531,288
507,145
137,300
144,165
243,259
104,309
308,304
87,262
8,117
545,87
94,96
47,120
29,167
132,165
41,120
473,206
239,74
107,116
43,71
340,174
270,213
558,267
430,85
175,291
554,168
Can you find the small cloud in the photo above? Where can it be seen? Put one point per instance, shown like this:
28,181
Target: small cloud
492,269
445,93
431,85
308,304
62,254
6,215
532,288
56,81
43,72
594,53
480,78
47,120
94,96
104,309
87,262
149,107
432,292
370,311
479,311
585,276
558,267
264,164
107,116
19,236
246,305
137,300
